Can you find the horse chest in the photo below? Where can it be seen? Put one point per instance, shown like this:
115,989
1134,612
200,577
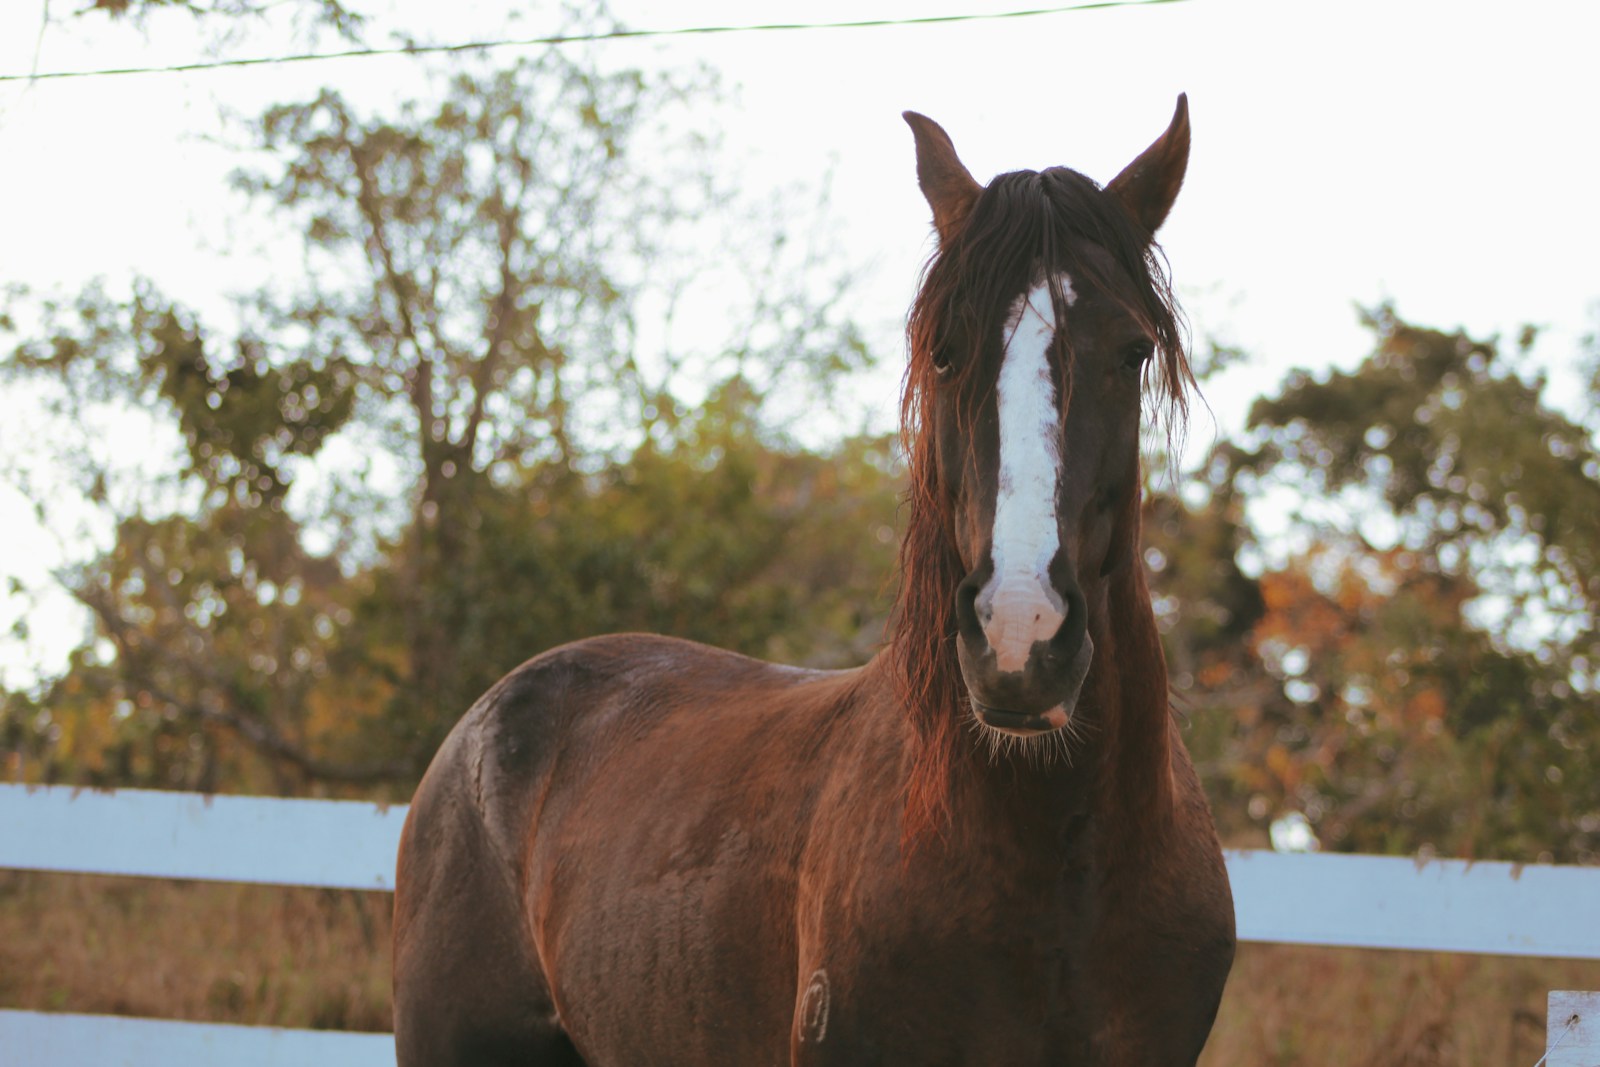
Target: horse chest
970,960
1016,1002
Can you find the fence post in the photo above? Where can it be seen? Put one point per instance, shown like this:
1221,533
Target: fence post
1572,1029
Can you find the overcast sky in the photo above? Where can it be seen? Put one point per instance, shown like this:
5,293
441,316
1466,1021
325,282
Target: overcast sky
1441,154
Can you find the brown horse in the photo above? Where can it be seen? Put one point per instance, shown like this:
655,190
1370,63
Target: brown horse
987,846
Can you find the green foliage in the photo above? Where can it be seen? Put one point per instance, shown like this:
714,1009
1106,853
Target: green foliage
475,314
1423,672
772,551
223,629
1463,452
241,423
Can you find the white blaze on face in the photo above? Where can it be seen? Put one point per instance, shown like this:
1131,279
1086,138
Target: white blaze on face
1018,606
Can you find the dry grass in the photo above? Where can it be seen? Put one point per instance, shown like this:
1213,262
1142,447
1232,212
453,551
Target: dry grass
319,958
259,955
1314,1006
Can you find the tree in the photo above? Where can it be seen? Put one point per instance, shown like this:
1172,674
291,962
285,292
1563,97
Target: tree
1426,650
476,313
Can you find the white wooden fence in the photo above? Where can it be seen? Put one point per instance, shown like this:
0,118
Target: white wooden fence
1303,898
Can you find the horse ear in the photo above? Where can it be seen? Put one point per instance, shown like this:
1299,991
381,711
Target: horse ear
1148,186
948,185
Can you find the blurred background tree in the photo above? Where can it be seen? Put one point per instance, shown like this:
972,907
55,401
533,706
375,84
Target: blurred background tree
469,434
1409,658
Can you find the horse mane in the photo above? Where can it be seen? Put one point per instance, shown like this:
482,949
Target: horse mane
1023,223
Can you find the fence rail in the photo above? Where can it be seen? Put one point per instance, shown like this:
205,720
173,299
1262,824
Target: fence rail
333,844
1296,898
53,1039
1305,898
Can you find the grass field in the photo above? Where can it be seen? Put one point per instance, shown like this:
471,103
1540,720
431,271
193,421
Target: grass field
217,952
319,958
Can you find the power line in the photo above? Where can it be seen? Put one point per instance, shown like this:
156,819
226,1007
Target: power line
579,38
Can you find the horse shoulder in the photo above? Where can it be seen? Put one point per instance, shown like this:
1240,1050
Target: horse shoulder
660,845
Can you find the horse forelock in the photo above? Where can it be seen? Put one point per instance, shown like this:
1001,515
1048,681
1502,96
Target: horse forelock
1024,226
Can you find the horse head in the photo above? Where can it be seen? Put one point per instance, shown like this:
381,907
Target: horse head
1043,316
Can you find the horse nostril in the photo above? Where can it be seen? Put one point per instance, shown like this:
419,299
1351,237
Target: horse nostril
967,624
1074,627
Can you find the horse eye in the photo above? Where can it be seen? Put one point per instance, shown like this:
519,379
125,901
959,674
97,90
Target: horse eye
941,367
1135,355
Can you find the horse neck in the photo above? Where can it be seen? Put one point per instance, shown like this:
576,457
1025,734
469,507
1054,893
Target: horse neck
1128,695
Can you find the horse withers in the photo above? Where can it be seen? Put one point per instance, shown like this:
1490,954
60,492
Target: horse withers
986,846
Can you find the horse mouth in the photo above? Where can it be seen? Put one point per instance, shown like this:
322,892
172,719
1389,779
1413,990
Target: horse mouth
1021,723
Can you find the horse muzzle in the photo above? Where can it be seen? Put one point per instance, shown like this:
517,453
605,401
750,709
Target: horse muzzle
1028,690
1038,699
